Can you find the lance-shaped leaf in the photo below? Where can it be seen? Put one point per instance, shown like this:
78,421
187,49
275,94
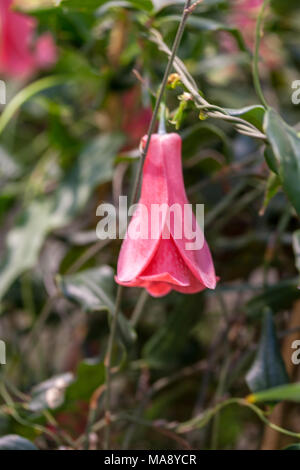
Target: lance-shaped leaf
93,290
272,187
290,392
253,114
268,369
285,144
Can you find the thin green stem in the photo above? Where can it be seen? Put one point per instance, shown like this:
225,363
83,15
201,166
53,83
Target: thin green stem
176,43
108,364
134,198
255,64
200,421
139,308
25,94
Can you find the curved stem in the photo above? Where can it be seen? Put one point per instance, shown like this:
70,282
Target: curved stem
108,364
213,111
139,308
255,66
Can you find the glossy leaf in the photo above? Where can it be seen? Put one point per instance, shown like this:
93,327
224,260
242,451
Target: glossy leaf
268,369
286,147
272,187
271,159
253,114
90,375
290,392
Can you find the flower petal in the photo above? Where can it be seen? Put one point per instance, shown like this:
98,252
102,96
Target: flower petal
136,254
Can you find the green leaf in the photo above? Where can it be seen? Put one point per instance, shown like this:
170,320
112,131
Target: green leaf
278,297
90,375
292,447
290,392
23,243
272,188
271,159
286,147
93,289
15,442
94,166
268,369
253,114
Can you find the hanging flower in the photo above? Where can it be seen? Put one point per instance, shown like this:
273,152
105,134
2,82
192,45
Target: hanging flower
164,247
20,57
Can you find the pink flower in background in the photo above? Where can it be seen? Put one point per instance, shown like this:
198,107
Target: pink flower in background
20,55
243,15
135,117
162,263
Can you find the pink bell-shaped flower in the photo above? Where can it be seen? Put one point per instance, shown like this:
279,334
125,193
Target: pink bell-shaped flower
158,252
